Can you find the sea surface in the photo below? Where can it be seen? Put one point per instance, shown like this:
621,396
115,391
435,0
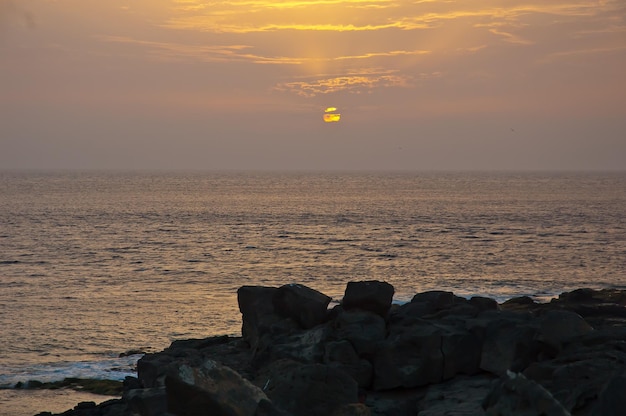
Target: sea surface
94,264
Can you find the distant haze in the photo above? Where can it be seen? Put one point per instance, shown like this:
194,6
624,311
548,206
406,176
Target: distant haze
240,84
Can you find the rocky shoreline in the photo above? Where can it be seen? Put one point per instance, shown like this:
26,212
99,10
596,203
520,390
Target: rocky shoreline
439,354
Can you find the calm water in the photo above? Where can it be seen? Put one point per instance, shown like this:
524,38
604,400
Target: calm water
94,264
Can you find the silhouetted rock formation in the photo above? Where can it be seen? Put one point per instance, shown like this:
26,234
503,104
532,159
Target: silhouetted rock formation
438,354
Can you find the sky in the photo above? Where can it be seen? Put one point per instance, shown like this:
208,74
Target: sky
246,84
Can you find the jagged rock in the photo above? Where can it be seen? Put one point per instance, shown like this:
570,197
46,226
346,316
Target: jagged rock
516,395
372,296
306,306
308,389
210,389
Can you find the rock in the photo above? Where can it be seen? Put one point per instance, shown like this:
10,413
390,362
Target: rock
516,395
462,352
341,354
303,346
519,303
210,388
353,409
373,296
461,396
577,375
308,389
410,358
509,341
306,306
436,355
612,400
557,327
257,308
427,303
147,402
364,330
484,304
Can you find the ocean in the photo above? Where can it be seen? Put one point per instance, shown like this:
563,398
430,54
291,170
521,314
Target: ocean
94,264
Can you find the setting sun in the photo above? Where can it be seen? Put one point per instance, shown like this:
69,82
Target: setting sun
330,115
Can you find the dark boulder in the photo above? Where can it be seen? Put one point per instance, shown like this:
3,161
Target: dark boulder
257,309
210,389
306,306
373,296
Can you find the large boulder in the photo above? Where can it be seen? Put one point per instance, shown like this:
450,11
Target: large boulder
373,296
210,389
257,309
306,306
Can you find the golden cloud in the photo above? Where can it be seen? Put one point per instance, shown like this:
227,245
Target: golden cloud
350,83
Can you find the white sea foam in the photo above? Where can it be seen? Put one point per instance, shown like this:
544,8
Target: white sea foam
106,369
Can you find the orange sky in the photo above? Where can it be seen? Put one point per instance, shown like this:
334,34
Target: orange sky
243,84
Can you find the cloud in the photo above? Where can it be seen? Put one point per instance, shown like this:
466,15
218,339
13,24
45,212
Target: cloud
352,83
11,12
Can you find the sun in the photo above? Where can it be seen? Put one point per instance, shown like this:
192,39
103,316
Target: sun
331,115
